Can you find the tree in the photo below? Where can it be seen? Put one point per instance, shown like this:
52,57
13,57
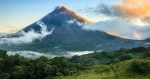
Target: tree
3,53
145,54
125,57
138,49
141,67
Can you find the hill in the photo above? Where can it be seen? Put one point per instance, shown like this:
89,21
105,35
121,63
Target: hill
136,67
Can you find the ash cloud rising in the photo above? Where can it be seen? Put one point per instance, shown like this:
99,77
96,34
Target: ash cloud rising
128,18
27,37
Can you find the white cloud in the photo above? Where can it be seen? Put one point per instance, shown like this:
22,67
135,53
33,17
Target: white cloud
79,53
121,27
109,18
74,21
30,54
28,37
34,55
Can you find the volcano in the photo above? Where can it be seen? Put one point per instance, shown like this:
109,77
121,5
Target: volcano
67,34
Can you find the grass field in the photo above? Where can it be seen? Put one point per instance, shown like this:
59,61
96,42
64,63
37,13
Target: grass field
131,69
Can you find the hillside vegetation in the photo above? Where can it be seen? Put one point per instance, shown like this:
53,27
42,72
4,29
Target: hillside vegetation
131,69
122,64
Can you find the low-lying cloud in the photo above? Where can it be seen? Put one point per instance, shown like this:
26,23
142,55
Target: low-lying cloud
34,55
30,54
28,37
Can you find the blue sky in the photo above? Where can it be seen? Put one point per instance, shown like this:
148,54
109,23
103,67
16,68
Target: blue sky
16,14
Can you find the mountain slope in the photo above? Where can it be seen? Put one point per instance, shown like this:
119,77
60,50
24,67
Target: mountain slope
68,35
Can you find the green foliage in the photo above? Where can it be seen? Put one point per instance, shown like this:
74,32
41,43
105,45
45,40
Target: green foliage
140,67
102,68
17,67
125,57
145,54
3,53
120,64
112,56
139,49
130,69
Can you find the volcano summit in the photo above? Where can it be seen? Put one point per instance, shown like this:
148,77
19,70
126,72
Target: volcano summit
62,30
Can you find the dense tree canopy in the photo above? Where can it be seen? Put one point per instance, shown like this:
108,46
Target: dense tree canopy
18,67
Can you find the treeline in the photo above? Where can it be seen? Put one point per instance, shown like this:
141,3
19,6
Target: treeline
112,56
18,67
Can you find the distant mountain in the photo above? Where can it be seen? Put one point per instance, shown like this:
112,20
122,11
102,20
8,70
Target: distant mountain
68,35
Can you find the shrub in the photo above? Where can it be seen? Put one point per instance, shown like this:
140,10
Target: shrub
102,69
139,67
125,57
3,53
145,54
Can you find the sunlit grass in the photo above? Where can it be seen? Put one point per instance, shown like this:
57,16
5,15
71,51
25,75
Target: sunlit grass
113,71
